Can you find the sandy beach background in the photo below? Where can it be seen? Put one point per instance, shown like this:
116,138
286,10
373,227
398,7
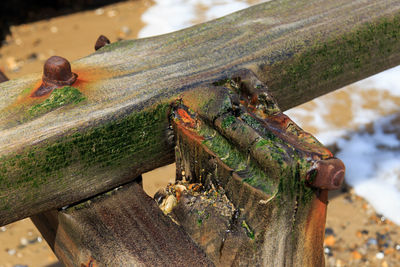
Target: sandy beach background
360,122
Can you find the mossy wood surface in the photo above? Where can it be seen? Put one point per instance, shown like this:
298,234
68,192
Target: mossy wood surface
253,159
283,228
60,153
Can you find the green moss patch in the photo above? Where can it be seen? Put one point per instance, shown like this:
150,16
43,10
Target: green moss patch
228,121
59,97
249,232
235,159
288,182
363,50
115,145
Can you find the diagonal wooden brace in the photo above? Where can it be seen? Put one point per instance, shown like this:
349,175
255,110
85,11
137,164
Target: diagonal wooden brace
233,139
123,227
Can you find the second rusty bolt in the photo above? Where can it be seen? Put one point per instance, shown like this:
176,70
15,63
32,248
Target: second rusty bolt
101,41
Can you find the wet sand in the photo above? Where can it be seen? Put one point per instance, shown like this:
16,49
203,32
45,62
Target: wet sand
356,235
72,36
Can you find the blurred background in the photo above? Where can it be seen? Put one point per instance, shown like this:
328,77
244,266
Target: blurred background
360,123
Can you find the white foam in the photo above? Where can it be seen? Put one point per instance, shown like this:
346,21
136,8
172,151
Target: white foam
166,16
373,167
171,15
388,80
225,8
384,85
375,178
382,196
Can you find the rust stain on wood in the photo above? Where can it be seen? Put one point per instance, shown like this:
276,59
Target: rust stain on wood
90,263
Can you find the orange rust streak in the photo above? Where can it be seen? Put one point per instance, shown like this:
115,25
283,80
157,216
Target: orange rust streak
281,119
315,228
63,242
91,263
26,99
190,134
85,77
282,122
186,118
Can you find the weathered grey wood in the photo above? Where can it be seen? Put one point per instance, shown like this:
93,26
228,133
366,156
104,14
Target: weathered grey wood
120,228
301,49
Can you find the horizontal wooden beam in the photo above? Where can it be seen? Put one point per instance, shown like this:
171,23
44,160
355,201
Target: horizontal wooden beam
64,146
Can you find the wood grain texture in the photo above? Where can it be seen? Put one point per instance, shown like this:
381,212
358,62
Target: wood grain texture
300,49
121,228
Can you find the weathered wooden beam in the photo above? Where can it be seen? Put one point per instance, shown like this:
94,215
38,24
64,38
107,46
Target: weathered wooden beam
64,146
123,227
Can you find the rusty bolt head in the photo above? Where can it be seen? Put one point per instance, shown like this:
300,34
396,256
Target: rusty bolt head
101,41
57,70
56,73
327,174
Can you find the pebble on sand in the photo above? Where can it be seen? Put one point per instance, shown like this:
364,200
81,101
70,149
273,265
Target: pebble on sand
380,255
330,241
12,64
124,32
99,11
24,241
356,255
11,251
112,13
53,29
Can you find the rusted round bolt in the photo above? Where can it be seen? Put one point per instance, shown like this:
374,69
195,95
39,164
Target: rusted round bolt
101,41
327,174
56,73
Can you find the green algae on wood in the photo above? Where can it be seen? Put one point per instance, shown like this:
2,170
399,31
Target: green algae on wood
114,147
322,61
249,232
291,182
105,145
228,121
252,173
58,98
273,215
